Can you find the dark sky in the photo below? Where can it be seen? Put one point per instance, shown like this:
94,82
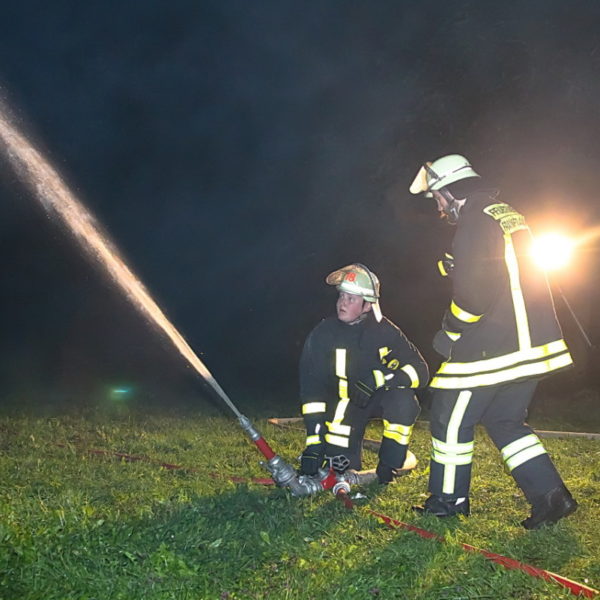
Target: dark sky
238,151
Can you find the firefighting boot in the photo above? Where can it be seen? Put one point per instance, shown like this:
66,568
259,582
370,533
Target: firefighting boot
385,473
438,507
550,508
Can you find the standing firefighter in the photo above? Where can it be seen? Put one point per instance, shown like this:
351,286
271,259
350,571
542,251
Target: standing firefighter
353,368
499,337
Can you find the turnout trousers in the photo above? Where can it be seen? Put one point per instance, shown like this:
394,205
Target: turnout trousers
502,410
397,407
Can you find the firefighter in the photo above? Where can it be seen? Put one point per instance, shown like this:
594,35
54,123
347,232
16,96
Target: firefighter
499,337
355,367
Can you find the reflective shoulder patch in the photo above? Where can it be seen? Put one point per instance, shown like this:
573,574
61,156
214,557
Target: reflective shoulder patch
509,219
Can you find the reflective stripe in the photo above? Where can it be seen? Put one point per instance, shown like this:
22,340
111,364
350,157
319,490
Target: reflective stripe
340,371
338,428
383,352
512,264
452,438
406,429
340,362
337,440
412,373
340,410
518,445
524,456
507,360
442,269
379,378
520,451
527,370
452,448
451,460
452,335
343,389
397,432
313,439
463,315
313,407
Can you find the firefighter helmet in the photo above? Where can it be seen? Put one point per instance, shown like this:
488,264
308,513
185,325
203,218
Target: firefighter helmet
358,280
435,175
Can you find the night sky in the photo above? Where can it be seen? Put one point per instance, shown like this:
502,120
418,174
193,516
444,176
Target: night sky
237,152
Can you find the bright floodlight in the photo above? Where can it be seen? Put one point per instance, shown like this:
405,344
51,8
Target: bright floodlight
552,251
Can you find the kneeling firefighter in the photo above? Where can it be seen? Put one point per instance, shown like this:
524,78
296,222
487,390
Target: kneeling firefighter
355,367
499,336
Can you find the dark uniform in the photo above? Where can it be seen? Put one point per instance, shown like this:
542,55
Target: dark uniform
500,335
352,373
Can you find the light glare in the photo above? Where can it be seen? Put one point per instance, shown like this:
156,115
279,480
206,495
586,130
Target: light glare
552,251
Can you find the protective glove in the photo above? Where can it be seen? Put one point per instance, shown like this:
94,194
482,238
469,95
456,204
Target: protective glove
442,344
385,473
311,459
359,392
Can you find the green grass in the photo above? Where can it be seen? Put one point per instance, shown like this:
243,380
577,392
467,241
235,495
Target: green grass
78,526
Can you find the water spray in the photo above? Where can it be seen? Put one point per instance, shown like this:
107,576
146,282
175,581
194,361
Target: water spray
61,203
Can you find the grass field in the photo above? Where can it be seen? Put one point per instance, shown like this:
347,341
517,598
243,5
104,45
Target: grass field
79,526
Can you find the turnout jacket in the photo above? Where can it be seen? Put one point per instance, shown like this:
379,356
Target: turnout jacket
501,325
347,363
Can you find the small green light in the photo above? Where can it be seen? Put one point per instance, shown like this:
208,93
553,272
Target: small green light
120,393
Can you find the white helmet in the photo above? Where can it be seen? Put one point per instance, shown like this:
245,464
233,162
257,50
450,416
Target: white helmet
358,280
440,173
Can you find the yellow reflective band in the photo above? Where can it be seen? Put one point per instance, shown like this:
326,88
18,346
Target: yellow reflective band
452,335
452,438
450,461
512,265
343,389
464,448
442,269
412,373
397,432
313,439
310,408
379,378
397,437
521,457
340,362
383,352
340,410
463,315
336,440
337,428
393,364
405,429
518,445
507,360
528,370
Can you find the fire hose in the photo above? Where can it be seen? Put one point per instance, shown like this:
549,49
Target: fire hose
341,484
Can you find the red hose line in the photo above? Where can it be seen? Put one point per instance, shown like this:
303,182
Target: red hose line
577,589
172,467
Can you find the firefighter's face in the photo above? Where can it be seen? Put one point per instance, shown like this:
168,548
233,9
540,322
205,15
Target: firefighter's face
442,204
351,307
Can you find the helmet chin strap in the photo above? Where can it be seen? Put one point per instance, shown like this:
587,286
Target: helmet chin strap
454,205
453,209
